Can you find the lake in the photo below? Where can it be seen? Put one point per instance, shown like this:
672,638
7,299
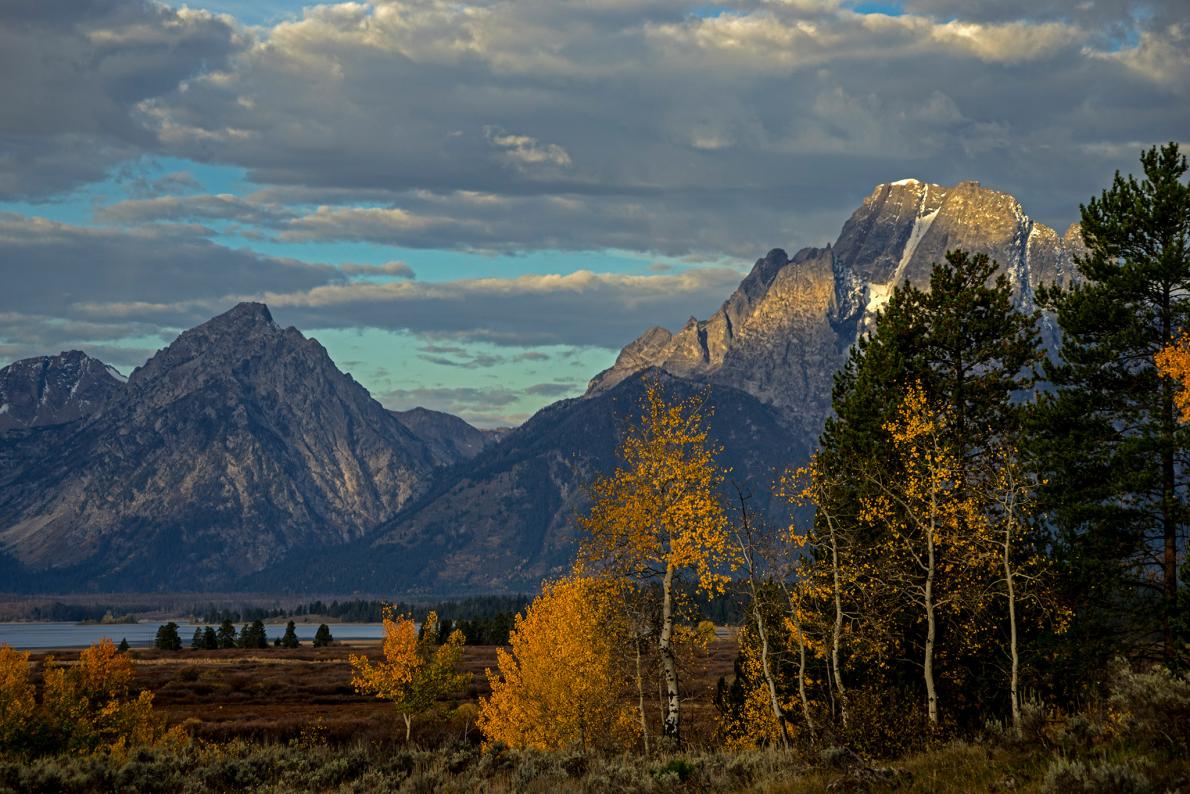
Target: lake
73,635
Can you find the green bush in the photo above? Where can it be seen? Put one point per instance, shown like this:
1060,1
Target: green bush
1152,708
1065,776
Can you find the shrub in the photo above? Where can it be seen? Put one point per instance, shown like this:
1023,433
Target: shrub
1152,709
883,723
1065,776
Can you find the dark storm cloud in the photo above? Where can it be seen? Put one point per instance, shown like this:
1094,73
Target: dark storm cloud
75,72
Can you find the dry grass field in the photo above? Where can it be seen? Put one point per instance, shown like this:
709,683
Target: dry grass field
284,694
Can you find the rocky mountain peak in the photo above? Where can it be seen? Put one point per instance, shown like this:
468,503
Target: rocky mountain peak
51,390
236,442
227,344
788,326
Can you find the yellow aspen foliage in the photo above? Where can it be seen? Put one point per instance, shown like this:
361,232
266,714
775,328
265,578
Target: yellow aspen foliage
17,703
90,706
659,515
557,685
660,508
752,722
930,545
415,671
1173,362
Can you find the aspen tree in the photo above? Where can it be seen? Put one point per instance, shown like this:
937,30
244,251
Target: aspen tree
810,486
1173,361
923,514
659,515
557,685
750,552
415,671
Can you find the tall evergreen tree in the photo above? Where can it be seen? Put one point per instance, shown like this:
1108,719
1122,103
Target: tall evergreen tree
210,640
226,634
290,638
972,353
167,638
322,637
253,635
1110,444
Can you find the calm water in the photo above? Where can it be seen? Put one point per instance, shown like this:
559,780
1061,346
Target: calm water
72,635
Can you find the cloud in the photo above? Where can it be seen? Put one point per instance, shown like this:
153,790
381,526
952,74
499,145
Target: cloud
525,151
581,308
75,75
633,124
390,269
98,284
221,207
646,125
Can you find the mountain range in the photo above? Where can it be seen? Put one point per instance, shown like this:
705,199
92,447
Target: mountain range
240,457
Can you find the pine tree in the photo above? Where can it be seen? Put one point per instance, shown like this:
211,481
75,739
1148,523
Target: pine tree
253,635
971,352
210,640
322,637
167,638
196,642
1113,451
123,646
226,634
290,639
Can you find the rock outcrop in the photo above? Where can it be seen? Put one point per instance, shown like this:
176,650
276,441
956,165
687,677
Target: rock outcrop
506,519
449,439
787,328
52,390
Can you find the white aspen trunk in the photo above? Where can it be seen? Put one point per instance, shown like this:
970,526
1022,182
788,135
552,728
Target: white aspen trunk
778,714
408,725
669,663
837,633
801,678
640,693
1012,639
931,629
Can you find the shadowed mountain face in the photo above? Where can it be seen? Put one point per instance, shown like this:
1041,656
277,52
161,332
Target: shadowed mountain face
239,441
449,439
52,390
506,519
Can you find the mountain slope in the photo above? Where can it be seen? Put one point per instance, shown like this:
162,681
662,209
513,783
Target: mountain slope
52,390
237,442
449,439
505,520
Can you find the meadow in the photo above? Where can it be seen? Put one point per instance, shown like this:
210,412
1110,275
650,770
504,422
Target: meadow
272,720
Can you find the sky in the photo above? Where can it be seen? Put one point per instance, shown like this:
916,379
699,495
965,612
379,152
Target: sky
474,206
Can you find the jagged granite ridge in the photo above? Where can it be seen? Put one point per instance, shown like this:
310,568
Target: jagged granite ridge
785,331
52,390
237,442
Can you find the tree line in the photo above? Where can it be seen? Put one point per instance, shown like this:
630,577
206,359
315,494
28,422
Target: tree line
225,636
